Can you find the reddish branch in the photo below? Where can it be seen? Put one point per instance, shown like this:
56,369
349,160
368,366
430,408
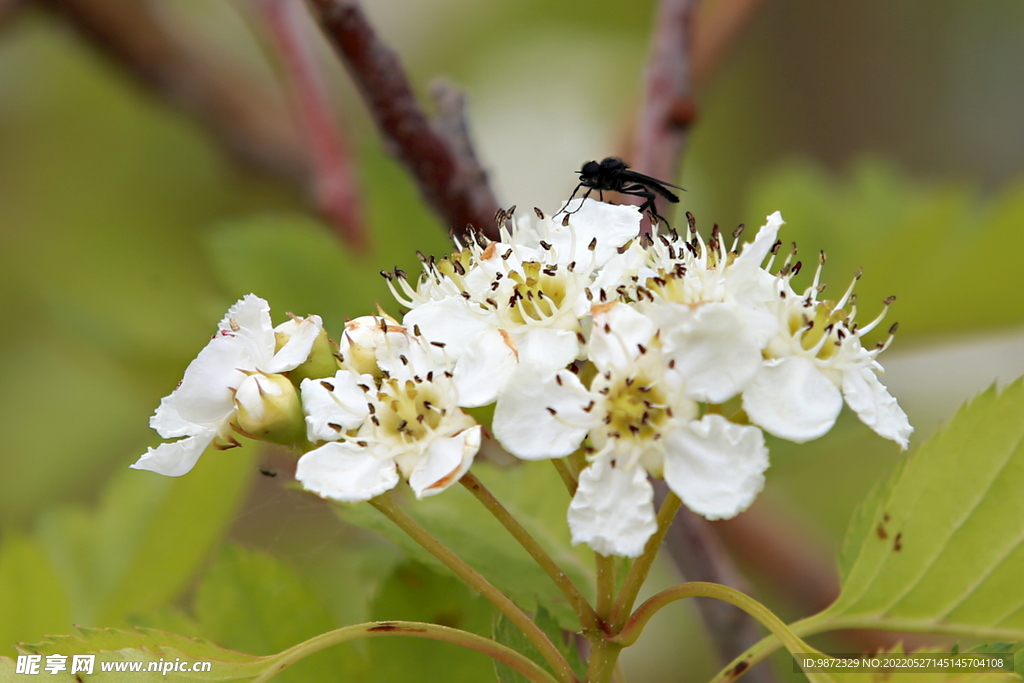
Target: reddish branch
242,116
450,178
335,187
719,28
668,108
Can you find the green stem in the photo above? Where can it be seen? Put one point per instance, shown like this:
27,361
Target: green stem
642,566
604,656
565,472
780,631
587,616
644,612
532,671
481,585
605,585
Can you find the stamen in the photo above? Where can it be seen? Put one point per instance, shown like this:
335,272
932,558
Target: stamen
881,316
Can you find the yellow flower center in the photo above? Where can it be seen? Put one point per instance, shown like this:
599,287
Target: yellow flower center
637,409
408,408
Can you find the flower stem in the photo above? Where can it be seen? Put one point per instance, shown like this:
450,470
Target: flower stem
532,671
604,656
565,472
642,566
587,615
534,634
629,634
784,634
605,585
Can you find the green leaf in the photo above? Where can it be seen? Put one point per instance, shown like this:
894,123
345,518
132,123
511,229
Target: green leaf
506,633
32,600
940,545
415,593
534,495
254,602
908,236
147,538
141,645
999,648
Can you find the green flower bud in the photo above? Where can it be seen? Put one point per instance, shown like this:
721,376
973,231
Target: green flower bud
269,409
321,362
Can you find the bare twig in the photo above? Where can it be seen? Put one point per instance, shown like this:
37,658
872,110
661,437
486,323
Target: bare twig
452,124
668,108
246,120
334,177
453,190
719,28
700,556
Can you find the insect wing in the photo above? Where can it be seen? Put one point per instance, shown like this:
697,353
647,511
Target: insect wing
649,181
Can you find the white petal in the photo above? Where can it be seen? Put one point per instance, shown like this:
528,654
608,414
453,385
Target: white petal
484,367
249,322
177,458
523,422
619,270
613,510
336,401
715,466
875,406
448,321
792,399
715,351
748,283
203,399
296,350
345,472
612,226
554,348
619,332
445,462
754,253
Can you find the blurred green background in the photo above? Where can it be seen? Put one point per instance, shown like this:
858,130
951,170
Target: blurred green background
888,133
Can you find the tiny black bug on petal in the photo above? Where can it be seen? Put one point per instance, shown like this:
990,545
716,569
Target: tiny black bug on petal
613,174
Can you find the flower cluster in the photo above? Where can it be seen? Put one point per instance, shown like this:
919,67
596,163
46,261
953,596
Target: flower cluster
638,357
380,406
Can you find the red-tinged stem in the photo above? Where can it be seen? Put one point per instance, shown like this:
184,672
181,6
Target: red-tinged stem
335,187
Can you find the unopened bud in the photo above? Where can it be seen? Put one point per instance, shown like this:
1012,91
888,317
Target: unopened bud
321,362
268,409
365,338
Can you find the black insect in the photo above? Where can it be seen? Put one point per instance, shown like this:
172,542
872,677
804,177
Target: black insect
613,174
268,473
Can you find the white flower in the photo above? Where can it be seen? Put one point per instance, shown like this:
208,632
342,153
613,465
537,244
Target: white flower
203,406
710,304
637,421
400,417
815,361
335,405
521,299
